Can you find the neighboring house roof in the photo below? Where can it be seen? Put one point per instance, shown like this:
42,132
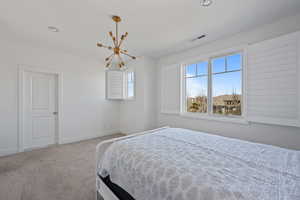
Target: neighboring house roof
222,99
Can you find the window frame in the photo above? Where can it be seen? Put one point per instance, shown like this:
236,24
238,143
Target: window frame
209,115
126,97
183,80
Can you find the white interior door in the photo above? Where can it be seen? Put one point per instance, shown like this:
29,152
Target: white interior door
40,109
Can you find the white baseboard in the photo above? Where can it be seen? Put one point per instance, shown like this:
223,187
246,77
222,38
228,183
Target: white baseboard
132,131
67,140
6,152
125,132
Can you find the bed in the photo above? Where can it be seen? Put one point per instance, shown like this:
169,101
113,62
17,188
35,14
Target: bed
180,164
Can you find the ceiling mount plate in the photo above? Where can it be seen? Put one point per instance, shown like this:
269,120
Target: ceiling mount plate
116,18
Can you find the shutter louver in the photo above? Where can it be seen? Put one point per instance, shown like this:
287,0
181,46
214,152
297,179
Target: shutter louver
114,81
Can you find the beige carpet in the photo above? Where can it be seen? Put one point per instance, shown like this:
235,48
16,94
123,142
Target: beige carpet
64,172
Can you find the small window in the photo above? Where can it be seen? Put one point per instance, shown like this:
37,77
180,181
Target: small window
130,85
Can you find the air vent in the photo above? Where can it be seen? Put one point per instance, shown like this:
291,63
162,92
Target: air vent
199,37
53,29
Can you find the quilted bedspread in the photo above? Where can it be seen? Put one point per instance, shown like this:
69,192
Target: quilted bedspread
180,164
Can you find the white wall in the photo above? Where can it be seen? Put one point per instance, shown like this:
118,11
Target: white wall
85,111
140,113
284,136
87,114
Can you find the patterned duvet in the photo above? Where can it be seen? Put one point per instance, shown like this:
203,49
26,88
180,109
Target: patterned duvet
180,164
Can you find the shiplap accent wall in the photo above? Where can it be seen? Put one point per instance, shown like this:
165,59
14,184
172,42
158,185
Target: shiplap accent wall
272,89
273,81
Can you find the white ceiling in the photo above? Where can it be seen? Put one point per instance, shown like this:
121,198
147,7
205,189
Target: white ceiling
156,27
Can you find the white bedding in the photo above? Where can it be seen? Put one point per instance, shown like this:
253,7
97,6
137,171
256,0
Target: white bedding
180,164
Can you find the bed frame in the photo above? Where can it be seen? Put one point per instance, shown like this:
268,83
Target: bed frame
101,188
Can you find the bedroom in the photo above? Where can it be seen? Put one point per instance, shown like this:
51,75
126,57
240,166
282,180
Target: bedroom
220,68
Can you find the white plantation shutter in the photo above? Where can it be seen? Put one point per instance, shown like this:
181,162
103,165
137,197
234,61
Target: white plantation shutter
114,85
273,81
170,90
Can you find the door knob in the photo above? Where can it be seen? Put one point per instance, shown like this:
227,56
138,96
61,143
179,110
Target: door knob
55,113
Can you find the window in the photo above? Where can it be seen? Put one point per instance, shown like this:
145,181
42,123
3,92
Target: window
120,85
196,87
214,86
130,85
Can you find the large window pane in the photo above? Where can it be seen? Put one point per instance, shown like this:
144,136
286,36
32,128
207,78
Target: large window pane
202,68
218,65
191,70
234,62
226,91
196,89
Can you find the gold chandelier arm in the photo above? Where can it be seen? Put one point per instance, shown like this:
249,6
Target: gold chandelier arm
117,35
133,57
109,57
113,38
104,46
123,37
109,62
121,41
122,62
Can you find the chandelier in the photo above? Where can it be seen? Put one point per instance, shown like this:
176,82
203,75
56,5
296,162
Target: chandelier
116,47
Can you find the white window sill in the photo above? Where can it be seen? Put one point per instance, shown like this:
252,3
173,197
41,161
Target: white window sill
129,99
232,119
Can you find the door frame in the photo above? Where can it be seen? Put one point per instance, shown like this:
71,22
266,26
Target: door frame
22,70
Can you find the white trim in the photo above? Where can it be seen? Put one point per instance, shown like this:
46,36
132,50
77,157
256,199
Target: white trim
231,119
169,112
275,121
8,151
214,54
67,140
244,83
182,89
22,70
298,33
210,86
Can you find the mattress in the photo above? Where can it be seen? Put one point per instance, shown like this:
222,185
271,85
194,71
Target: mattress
180,164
